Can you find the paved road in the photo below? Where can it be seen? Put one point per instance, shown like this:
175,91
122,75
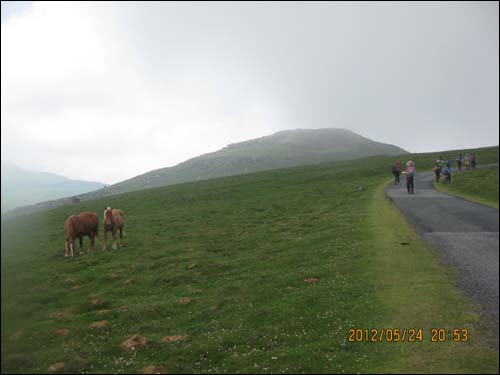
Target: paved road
465,234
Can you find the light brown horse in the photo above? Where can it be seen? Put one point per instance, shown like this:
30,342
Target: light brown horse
77,226
113,222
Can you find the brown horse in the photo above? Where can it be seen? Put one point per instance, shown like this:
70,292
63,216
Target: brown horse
77,226
113,222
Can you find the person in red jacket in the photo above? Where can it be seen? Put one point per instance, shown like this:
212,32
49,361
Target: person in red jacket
410,171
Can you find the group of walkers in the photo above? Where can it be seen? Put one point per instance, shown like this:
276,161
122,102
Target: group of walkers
468,161
409,172
438,169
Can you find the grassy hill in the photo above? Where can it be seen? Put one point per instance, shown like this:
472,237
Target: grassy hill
22,187
283,149
259,273
280,150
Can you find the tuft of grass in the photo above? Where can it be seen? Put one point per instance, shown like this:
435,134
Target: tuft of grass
277,266
476,185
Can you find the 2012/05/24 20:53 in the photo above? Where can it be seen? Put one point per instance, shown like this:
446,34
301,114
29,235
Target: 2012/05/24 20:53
407,335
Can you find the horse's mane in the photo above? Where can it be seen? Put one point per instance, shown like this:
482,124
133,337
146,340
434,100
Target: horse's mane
70,227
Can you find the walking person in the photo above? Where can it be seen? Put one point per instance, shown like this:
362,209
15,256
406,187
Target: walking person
396,171
447,175
438,168
410,172
473,160
437,172
440,162
459,161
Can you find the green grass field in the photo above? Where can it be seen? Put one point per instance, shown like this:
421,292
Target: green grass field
478,185
263,273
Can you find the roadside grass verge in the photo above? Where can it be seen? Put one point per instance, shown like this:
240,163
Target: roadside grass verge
478,185
419,292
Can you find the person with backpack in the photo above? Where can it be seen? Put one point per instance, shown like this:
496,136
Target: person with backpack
438,168
439,162
410,172
437,172
447,175
472,158
395,171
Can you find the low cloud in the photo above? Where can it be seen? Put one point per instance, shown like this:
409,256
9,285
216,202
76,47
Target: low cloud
111,90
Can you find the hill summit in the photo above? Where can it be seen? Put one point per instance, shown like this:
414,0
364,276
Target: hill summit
283,149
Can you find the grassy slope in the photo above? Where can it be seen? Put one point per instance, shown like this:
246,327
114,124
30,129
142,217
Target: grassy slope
235,245
478,185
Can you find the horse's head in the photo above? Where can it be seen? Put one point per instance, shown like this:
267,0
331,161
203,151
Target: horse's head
108,215
69,235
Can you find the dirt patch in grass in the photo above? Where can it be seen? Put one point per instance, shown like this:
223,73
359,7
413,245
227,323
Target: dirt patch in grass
311,280
99,324
174,338
134,343
128,281
61,332
96,302
184,300
60,314
56,367
153,369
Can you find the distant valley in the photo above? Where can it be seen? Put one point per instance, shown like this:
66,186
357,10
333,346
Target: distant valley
22,187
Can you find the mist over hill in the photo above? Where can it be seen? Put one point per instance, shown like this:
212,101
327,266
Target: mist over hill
280,150
22,187
283,149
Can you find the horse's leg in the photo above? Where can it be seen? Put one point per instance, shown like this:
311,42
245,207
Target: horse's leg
114,239
121,236
71,244
81,244
97,234
105,235
92,235
66,253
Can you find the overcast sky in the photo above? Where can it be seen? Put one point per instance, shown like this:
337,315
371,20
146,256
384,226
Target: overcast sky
107,91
